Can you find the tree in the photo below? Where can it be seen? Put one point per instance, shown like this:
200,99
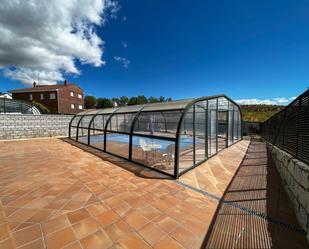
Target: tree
104,103
141,99
123,101
42,108
132,101
152,99
90,102
161,99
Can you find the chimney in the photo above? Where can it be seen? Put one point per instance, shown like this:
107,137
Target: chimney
65,82
34,84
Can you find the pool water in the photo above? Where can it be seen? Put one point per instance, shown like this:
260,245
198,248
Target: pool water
120,138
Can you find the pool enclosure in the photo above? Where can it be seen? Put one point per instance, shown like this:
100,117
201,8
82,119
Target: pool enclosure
14,106
170,137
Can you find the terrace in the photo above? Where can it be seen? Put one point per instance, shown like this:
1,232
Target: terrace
62,194
200,185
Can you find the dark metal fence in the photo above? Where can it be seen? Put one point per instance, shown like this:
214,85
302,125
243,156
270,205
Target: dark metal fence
251,128
289,128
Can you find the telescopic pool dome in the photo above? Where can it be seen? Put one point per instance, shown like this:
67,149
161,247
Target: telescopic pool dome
170,137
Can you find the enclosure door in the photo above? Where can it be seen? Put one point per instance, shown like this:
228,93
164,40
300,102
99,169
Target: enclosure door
222,129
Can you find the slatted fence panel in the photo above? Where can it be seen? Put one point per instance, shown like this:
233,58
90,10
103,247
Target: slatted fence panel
303,129
289,129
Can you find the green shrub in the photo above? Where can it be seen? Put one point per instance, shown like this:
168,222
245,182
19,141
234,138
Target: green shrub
42,108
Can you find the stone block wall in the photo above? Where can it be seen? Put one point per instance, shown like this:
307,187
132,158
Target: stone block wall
33,126
295,176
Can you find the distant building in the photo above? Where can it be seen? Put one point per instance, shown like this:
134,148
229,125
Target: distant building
66,98
5,95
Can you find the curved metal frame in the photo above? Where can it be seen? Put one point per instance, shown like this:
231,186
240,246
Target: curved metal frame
22,104
131,131
175,139
105,127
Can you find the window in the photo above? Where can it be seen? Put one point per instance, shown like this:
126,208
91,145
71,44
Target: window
72,106
52,96
79,96
72,94
30,96
42,96
80,107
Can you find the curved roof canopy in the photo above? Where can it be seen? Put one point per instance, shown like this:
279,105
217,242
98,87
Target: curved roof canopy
162,106
15,106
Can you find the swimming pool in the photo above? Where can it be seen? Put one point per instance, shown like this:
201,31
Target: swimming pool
137,140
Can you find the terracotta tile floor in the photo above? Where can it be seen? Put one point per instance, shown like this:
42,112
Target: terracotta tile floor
215,174
56,195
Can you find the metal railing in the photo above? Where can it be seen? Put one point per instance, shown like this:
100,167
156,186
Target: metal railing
13,106
289,128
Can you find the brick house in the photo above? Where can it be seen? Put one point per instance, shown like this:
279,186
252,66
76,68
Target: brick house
63,98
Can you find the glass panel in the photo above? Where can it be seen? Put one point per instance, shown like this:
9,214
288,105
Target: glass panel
222,129
73,131
239,126
26,109
99,122
212,132
223,103
200,131
97,131
121,122
84,123
212,104
83,128
155,153
129,109
117,144
230,123
212,127
172,105
236,124
75,120
158,123
82,135
97,139
186,142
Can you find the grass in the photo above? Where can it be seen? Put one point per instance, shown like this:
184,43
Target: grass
259,113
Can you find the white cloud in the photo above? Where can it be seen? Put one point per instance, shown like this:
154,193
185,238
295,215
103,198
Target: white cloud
26,75
281,100
46,38
274,101
124,61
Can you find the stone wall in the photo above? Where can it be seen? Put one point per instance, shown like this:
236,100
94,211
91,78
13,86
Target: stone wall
295,176
32,126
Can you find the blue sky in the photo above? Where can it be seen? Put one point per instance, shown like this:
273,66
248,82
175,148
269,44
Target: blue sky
182,49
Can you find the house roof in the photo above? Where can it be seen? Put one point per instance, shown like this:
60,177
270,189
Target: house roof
40,88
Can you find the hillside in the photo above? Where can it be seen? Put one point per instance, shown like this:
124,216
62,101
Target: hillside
259,113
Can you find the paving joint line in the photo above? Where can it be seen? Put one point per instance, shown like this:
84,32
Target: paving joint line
244,209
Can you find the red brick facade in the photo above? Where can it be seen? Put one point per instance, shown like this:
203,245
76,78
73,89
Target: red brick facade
64,99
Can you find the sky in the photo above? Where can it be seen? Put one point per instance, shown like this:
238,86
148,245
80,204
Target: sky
252,51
